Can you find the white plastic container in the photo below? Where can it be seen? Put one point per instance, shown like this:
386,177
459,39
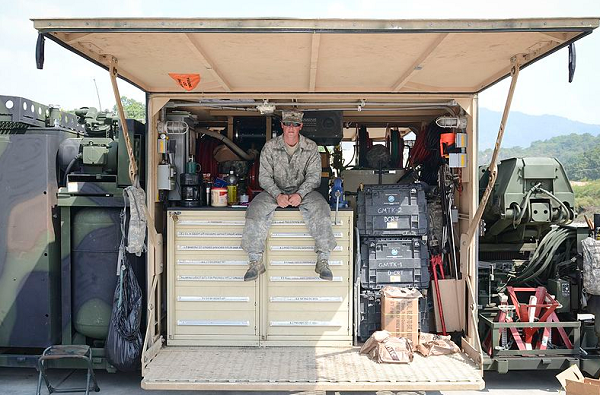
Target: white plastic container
219,197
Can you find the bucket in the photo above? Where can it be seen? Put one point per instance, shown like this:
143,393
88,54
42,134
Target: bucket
219,197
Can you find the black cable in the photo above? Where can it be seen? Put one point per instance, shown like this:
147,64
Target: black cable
69,167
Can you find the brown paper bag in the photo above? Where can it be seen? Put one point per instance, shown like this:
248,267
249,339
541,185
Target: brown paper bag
431,344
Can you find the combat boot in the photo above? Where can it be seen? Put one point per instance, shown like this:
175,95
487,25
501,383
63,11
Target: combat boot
322,268
255,269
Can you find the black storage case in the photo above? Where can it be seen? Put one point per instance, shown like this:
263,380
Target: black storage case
323,127
369,320
401,262
392,210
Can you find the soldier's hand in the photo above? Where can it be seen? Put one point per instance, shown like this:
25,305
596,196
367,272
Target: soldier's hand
295,200
283,200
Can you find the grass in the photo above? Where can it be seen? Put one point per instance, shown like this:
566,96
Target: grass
587,199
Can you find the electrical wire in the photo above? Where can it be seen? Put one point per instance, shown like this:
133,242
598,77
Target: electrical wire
539,266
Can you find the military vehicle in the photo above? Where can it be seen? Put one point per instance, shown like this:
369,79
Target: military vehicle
63,178
205,79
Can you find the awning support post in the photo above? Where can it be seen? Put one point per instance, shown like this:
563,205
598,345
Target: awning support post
151,346
493,168
113,71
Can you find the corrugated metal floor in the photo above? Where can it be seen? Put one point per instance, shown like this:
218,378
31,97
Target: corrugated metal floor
303,368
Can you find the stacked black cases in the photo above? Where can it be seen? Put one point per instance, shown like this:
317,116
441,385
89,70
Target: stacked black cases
393,225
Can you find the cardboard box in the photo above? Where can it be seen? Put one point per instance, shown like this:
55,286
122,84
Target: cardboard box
400,312
452,294
574,383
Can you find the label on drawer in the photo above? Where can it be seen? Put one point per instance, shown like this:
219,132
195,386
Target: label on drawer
299,248
301,278
300,234
210,222
209,248
213,298
301,222
304,323
210,278
198,234
302,263
214,263
392,225
306,299
212,323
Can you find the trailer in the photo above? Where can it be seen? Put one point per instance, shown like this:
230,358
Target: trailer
378,73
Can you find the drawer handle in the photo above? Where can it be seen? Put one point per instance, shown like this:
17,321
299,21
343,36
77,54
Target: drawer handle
210,278
213,298
211,323
302,299
302,263
301,279
304,323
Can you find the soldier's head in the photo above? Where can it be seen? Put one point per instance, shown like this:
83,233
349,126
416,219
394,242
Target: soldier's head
291,122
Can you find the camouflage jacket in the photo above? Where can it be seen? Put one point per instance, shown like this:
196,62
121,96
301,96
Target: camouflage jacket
281,174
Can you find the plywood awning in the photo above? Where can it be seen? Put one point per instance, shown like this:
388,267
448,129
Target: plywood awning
320,56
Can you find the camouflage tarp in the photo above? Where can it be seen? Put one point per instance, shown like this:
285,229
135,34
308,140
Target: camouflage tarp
591,266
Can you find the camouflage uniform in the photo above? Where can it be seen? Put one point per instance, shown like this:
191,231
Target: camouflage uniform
280,173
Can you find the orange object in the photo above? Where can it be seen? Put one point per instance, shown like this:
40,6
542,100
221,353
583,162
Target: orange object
446,140
186,81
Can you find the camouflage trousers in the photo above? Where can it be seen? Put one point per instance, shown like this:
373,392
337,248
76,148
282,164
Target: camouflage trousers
316,214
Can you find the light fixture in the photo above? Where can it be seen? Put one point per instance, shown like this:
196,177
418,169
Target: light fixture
266,108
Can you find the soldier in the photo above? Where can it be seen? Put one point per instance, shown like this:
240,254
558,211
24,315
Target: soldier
290,171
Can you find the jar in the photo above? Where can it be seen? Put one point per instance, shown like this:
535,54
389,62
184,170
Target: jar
218,197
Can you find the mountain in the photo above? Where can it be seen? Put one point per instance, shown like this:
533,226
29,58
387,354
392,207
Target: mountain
523,129
579,154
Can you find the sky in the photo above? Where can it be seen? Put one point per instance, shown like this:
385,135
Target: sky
68,80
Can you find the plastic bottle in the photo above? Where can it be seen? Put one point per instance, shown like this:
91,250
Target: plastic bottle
232,182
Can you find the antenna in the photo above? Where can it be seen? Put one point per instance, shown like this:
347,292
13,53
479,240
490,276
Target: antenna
97,94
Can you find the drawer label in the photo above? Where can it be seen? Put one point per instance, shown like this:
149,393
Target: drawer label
210,222
301,278
304,323
300,234
301,222
215,263
210,278
212,323
209,248
209,234
306,299
302,263
299,248
213,298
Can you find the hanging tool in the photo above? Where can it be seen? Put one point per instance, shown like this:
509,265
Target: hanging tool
436,263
